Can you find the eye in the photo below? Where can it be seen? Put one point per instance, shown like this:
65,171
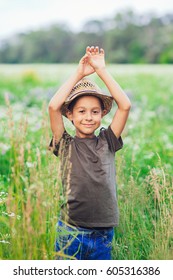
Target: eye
81,111
95,112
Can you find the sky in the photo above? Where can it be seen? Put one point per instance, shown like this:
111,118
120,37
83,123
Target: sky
25,15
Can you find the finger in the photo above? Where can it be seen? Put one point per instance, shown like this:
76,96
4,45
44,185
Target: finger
83,59
102,51
88,49
97,50
92,50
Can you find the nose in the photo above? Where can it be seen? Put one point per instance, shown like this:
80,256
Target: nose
88,116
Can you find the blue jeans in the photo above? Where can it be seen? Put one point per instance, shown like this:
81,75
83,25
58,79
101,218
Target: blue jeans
83,244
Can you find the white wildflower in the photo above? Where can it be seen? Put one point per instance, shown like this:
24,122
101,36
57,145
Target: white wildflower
30,164
11,215
4,241
149,155
3,193
43,152
4,148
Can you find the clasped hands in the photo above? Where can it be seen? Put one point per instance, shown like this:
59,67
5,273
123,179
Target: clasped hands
92,61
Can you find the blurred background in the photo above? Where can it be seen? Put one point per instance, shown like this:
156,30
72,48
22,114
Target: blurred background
51,31
41,43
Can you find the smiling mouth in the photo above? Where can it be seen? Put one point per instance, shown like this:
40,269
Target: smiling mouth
88,124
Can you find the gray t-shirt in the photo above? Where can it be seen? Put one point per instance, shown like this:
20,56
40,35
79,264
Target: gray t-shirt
88,179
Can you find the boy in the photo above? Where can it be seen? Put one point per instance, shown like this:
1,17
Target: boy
90,211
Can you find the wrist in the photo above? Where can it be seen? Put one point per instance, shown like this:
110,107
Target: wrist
79,75
101,71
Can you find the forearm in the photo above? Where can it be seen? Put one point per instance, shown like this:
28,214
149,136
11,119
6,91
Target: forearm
63,92
115,90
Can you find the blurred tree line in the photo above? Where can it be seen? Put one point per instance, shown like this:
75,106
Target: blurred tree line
127,38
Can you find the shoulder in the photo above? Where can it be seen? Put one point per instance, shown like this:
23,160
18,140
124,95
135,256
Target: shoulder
114,143
63,143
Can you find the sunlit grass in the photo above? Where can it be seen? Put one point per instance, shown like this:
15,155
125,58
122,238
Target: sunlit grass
29,180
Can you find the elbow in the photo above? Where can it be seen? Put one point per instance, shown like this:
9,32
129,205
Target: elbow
51,107
127,106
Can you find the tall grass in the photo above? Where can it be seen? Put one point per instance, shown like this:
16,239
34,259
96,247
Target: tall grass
29,205
146,211
30,183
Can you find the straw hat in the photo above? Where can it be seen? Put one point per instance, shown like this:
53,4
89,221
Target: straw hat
86,87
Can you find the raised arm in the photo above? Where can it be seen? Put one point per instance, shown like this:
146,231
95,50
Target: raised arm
97,61
55,104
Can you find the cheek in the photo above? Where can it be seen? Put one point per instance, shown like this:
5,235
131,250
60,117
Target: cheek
77,118
98,118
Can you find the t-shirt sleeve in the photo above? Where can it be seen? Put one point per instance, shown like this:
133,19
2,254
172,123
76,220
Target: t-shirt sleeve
114,143
62,144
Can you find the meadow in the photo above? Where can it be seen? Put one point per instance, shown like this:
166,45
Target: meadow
30,192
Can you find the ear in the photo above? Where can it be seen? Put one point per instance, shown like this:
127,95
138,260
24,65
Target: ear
104,112
69,115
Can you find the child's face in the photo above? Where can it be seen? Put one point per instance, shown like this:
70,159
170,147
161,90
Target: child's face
86,116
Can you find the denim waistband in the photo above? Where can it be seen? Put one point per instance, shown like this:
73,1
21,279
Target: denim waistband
81,229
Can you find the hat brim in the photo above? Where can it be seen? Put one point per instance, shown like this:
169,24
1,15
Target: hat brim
106,99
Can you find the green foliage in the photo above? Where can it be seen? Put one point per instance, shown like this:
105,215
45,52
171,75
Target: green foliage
127,38
30,77
30,189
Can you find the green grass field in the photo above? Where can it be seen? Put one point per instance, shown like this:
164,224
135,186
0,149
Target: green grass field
29,177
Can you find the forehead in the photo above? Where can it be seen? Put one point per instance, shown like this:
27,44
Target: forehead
88,100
